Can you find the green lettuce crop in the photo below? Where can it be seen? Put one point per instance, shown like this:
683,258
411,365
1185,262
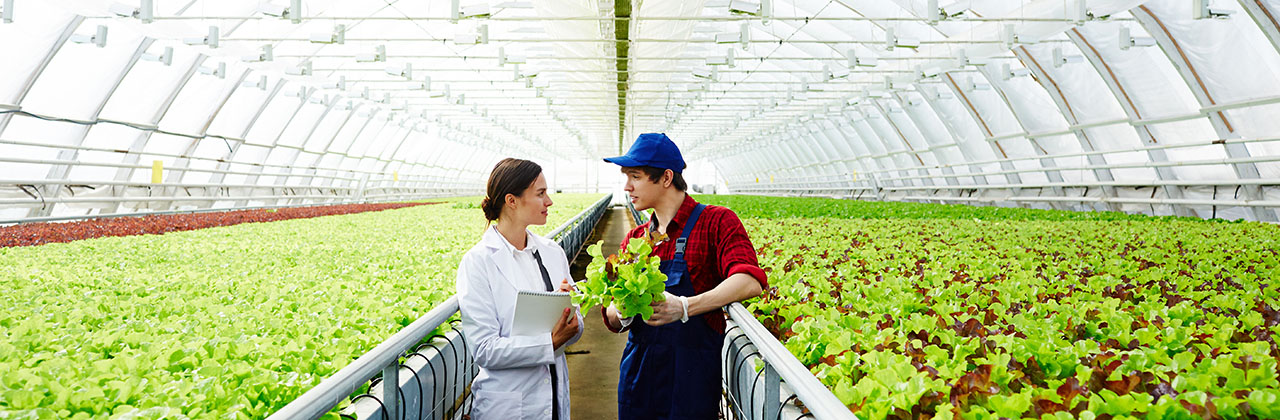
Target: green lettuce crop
630,280
1033,315
227,323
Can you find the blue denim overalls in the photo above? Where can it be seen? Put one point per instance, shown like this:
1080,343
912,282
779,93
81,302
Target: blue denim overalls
672,371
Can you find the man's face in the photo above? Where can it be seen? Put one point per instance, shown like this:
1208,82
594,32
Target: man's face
644,193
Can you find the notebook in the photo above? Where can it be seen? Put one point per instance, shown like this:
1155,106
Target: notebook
537,312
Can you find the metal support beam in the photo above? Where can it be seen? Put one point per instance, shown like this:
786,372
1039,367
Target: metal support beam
1266,18
1131,110
1164,38
64,171
1011,178
1064,106
140,143
66,34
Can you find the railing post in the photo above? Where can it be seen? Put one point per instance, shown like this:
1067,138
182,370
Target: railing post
780,365
772,385
391,390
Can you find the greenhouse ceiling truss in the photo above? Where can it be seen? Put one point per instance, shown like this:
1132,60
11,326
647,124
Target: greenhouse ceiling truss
1164,107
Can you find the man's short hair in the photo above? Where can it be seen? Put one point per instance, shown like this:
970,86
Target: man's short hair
655,175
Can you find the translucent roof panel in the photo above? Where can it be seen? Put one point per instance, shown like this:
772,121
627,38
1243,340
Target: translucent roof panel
1018,99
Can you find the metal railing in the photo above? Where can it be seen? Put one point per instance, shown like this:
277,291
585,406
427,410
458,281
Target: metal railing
636,215
1031,159
769,393
573,237
167,212
440,365
292,185
168,196
1224,202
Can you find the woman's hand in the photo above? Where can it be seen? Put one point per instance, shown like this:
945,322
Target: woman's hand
565,328
565,286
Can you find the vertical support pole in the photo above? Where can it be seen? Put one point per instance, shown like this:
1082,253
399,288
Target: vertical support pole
391,389
364,183
875,187
772,400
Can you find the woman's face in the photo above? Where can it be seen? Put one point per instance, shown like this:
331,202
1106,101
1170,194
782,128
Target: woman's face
530,208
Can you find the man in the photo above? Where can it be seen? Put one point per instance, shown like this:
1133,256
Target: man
671,365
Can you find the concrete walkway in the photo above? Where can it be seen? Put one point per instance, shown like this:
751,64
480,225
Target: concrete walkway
594,359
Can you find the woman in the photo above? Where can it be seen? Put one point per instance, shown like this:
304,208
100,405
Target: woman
521,377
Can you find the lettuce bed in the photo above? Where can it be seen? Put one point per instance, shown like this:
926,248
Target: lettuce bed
230,322
791,207
1017,317
30,234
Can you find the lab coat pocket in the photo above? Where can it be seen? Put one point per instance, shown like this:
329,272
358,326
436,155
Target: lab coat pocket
496,405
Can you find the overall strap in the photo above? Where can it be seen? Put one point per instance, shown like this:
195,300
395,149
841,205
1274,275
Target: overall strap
688,228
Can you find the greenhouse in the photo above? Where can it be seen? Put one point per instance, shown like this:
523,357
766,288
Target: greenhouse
659,209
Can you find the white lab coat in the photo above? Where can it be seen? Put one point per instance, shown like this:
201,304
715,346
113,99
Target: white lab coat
513,381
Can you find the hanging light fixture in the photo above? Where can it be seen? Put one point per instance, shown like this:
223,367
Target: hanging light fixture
211,40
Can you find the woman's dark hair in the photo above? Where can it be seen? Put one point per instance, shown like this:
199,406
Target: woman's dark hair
510,176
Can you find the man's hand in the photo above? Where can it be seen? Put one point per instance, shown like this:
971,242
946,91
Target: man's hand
736,288
669,310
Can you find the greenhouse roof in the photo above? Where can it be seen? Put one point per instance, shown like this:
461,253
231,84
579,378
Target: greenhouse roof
1054,95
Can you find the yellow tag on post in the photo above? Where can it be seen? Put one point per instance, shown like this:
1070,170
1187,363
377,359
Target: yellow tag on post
395,176
157,172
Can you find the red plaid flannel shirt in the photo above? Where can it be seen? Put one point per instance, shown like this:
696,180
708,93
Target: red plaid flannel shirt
718,248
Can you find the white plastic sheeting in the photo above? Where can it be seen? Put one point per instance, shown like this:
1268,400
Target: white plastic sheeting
1123,104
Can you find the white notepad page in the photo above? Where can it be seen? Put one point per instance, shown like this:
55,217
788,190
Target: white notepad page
537,312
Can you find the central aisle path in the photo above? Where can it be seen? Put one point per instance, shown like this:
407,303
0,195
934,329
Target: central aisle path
593,375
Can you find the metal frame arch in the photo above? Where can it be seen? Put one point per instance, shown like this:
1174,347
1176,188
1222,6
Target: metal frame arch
1047,164
835,155
1163,173
920,170
1064,106
953,132
257,167
324,150
140,143
177,175
226,161
824,162
35,74
1011,178
63,172
1164,38
1266,19
864,128
860,160
947,167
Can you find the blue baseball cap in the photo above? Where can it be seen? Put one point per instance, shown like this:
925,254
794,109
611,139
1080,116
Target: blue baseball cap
651,149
